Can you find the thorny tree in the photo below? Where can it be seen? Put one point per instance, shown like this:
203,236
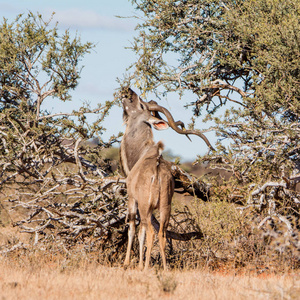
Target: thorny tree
242,55
44,168
49,165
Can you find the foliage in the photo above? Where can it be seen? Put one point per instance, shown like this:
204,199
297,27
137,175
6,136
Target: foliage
47,168
246,52
242,55
240,60
38,64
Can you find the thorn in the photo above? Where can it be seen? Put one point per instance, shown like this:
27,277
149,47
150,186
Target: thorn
188,137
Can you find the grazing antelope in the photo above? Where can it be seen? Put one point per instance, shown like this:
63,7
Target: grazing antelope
150,183
138,136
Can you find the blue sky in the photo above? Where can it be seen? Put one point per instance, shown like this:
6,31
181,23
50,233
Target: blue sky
97,22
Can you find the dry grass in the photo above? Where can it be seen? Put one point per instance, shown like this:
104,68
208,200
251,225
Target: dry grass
60,273
38,277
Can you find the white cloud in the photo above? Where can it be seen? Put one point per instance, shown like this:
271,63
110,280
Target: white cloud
87,19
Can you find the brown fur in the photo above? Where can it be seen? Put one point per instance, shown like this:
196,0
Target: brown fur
139,116
138,136
150,186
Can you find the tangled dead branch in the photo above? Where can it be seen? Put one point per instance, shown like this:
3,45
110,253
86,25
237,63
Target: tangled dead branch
278,210
76,200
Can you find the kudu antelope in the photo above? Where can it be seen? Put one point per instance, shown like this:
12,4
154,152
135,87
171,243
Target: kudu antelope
150,183
138,136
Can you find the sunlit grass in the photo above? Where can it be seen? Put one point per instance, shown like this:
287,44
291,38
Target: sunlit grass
39,276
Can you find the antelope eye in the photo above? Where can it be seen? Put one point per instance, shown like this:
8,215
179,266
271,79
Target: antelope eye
143,107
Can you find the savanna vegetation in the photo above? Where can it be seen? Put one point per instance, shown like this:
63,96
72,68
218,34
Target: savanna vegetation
63,201
238,62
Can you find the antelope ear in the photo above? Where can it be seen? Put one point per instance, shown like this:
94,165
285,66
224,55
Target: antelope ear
158,124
